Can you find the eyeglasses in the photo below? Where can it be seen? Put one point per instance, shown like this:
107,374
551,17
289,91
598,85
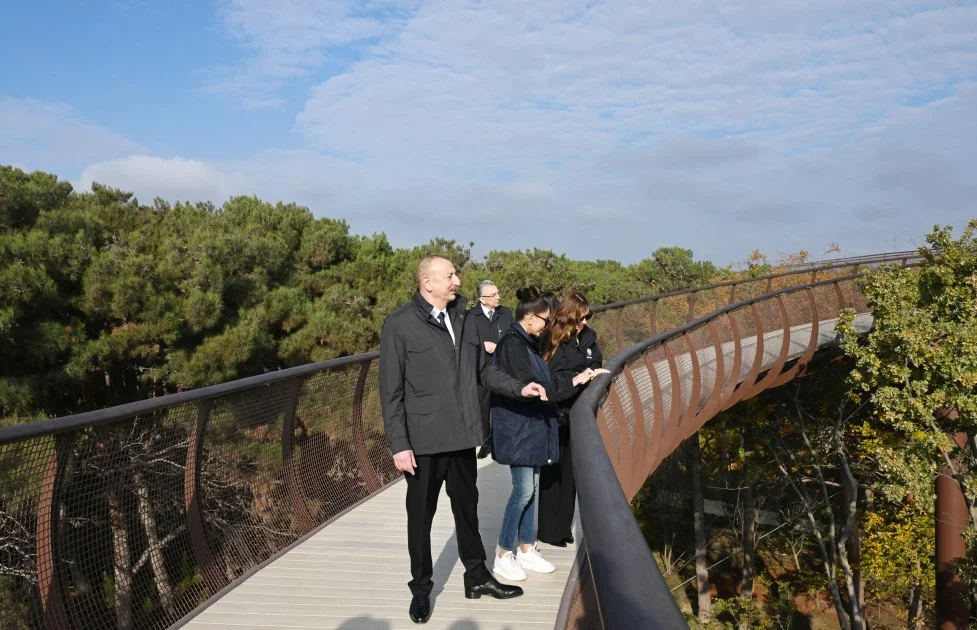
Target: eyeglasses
586,317
545,319
491,295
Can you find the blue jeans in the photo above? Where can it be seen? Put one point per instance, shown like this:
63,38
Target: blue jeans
520,511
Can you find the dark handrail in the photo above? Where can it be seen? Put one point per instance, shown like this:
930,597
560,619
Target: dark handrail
109,415
630,588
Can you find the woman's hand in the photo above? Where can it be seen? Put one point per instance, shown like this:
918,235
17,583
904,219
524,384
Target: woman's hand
588,375
583,378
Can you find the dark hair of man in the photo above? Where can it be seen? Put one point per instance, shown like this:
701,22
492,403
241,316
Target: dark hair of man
530,301
564,321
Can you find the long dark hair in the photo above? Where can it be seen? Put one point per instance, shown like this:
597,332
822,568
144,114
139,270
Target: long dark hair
565,320
530,301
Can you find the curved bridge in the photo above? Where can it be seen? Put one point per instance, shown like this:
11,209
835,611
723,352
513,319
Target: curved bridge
272,501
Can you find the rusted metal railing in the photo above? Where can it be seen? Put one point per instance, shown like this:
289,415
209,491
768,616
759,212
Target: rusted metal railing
660,392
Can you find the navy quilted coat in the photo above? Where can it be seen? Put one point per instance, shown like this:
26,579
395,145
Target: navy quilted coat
524,432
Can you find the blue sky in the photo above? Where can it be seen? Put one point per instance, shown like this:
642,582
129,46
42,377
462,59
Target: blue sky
597,129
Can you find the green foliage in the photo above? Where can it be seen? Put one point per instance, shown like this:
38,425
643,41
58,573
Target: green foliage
897,550
105,301
918,366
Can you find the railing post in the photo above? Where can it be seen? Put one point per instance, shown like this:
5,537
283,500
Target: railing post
214,575
304,521
692,298
951,522
46,530
367,472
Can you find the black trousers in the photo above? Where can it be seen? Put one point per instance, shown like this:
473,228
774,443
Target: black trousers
456,470
557,494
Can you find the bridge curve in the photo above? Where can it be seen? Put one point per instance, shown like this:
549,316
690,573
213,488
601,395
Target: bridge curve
149,514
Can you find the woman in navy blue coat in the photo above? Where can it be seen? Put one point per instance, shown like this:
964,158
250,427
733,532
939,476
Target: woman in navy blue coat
525,433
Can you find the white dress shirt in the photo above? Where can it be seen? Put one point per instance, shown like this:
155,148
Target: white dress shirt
447,322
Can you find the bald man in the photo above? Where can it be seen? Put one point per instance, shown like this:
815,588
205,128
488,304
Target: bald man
430,364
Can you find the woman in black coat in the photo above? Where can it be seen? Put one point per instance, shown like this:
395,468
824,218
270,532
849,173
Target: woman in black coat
569,348
524,434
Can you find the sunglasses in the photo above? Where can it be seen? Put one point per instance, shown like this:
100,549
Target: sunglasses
586,317
545,319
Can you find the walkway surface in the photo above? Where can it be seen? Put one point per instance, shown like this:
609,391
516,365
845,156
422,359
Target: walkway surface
353,574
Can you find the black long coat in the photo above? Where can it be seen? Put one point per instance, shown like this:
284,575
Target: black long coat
486,329
491,330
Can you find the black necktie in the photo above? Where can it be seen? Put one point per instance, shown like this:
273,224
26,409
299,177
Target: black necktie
441,320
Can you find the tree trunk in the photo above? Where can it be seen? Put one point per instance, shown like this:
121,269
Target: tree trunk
849,536
694,458
120,563
749,525
915,620
154,546
749,551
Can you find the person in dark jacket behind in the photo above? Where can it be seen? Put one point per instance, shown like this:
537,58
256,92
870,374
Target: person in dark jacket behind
524,434
427,375
569,348
491,321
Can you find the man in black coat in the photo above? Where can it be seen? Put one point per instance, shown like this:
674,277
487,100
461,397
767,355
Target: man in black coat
429,364
491,321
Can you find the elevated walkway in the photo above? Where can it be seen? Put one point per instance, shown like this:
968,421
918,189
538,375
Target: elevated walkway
353,574
271,501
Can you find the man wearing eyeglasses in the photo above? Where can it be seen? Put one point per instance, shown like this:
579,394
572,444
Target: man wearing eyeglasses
490,320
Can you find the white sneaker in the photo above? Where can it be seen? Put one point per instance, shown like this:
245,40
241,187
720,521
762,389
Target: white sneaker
507,568
534,561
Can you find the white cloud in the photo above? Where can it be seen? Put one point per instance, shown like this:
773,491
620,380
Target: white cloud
54,137
174,179
605,130
287,39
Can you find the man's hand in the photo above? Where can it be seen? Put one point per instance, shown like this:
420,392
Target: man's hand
404,461
489,346
534,390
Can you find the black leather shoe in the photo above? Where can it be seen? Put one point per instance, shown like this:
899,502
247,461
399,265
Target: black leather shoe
568,540
492,588
420,608
559,543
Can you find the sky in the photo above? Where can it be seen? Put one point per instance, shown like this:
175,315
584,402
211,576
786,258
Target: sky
602,130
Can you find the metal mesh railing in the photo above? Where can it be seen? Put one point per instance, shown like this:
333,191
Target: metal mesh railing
620,325
133,517
660,392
